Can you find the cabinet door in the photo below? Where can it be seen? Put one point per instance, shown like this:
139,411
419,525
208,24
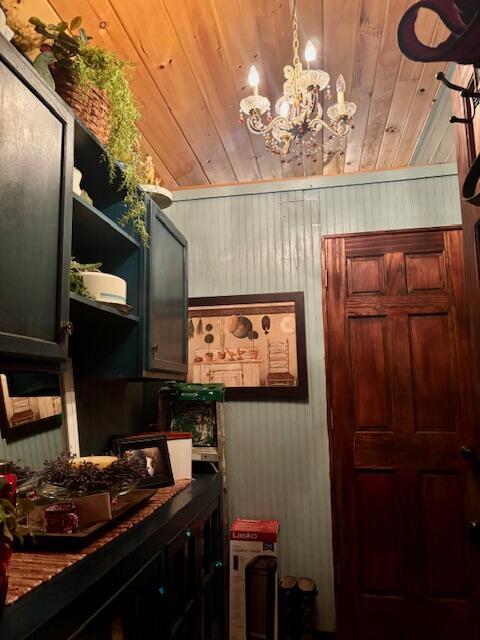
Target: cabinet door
166,339
467,139
36,157
182,576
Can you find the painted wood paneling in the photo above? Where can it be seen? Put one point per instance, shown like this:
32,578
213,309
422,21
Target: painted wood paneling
34,450
278,460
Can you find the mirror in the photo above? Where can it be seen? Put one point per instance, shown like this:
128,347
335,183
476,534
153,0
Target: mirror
30,403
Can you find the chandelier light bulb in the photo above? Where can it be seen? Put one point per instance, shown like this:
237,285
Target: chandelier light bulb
341,84
310,52
254,79
284,109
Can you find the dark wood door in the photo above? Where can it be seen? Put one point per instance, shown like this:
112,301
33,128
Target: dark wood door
467,142
36,158
400,391
166,339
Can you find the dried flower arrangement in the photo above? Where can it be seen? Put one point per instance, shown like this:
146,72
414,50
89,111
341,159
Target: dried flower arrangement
87,477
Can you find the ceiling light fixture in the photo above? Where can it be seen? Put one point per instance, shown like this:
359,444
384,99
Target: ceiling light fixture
299,111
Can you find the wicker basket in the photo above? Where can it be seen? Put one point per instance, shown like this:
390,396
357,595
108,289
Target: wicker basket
90,104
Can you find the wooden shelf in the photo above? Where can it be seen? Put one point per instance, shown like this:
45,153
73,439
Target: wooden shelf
90,159
97,238
82,308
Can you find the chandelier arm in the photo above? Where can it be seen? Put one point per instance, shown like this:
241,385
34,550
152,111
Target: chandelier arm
256,125
340,132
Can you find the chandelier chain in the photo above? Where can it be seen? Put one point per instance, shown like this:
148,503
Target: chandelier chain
295,43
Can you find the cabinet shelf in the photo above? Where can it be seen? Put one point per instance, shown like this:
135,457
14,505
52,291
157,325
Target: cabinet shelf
85,309
91,160
97,238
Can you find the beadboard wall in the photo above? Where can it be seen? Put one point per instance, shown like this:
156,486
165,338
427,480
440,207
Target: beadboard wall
34,450
267,239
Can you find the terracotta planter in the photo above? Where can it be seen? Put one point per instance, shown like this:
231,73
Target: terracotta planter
221,355
252,354
208,357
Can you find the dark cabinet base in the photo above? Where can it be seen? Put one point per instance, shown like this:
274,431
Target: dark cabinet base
163,580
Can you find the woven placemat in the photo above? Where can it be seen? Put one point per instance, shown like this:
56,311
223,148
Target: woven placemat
30,570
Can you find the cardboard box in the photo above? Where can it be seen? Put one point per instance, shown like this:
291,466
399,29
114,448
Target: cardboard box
254,552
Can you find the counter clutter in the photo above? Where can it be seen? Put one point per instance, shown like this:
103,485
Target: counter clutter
157,573
30,569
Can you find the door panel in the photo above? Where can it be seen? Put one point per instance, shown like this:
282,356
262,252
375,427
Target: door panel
433,380
380,551
371,397
442,503
400,394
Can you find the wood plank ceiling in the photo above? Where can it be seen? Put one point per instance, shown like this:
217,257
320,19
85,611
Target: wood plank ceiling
192,58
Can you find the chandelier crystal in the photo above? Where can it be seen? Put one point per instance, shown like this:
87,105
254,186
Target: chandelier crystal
299,112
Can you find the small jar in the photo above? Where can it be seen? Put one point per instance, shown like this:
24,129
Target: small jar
61,517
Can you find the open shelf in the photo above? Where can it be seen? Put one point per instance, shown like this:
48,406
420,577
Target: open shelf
97,238
82,308
90,159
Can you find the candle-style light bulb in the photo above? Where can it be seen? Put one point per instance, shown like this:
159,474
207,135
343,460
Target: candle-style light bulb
253,79
283,109
310,53
341,86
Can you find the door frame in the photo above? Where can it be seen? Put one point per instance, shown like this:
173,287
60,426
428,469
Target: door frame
344,623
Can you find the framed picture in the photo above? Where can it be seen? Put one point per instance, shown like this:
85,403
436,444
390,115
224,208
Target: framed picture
152,451
253,344
29,403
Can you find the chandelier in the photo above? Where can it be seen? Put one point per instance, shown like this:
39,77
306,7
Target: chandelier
299,112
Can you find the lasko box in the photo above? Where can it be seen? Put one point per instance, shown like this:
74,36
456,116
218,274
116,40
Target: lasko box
253,579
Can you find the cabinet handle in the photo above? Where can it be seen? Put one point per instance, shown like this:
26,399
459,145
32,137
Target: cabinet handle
68,328
155,348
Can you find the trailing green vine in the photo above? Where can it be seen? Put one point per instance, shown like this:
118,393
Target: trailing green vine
94,66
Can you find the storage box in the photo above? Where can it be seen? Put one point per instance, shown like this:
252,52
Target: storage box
254,547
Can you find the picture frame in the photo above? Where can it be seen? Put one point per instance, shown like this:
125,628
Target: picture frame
254,344
24,413
153,449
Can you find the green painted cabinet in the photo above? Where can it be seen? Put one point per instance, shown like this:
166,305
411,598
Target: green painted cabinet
36,158
166,302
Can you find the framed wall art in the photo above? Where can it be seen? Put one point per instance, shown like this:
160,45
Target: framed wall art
254,344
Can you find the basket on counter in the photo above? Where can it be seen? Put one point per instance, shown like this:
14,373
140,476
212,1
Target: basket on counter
89,103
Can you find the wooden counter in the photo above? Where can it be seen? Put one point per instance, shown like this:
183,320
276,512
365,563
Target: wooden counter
151,570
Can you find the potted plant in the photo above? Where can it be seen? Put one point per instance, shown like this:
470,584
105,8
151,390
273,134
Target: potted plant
252,352
12,517
94,82
221,338
209,340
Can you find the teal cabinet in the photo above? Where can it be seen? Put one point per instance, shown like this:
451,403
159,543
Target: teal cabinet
166,303
36,158
149,341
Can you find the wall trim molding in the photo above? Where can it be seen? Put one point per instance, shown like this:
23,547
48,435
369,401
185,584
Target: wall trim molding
314,182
